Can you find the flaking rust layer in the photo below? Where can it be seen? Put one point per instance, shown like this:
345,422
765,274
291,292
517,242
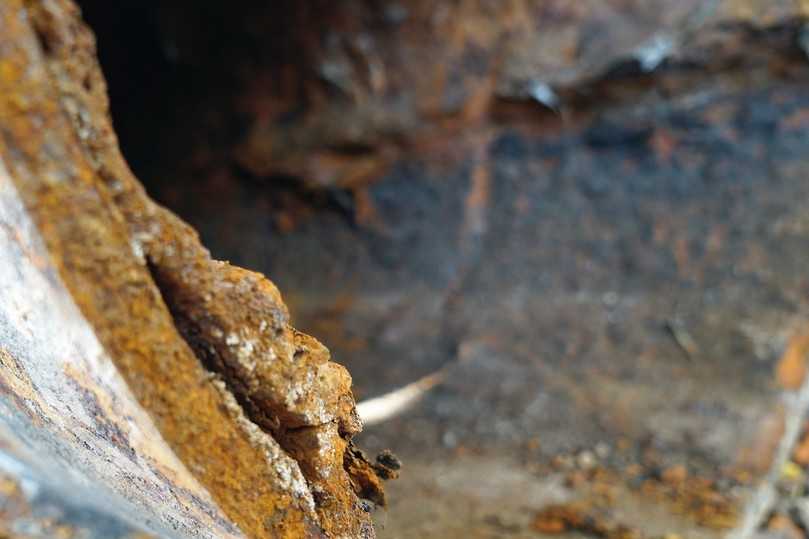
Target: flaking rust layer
266,433
617,277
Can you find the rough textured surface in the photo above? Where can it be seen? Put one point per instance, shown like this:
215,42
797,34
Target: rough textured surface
69,420
332,94
109,245
613,286
34,505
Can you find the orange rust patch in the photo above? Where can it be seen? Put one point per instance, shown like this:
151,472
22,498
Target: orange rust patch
791,368
785,527
557,519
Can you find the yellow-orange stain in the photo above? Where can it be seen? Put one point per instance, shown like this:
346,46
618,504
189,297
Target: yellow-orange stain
791,368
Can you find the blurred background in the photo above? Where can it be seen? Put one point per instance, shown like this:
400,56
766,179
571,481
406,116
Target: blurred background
593,215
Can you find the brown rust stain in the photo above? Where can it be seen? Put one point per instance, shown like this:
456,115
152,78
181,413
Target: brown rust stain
600,491
98,224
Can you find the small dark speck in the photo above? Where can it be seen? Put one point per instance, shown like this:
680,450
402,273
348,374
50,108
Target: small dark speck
387,459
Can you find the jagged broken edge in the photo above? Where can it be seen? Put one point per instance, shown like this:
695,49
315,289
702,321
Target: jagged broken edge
157,236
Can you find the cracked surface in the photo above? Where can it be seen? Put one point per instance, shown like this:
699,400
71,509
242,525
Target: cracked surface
108,241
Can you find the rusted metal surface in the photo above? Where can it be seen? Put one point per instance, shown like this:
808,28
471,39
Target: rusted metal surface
110,304
72,435
615,287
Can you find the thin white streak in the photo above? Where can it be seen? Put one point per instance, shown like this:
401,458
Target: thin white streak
379,409
764,497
